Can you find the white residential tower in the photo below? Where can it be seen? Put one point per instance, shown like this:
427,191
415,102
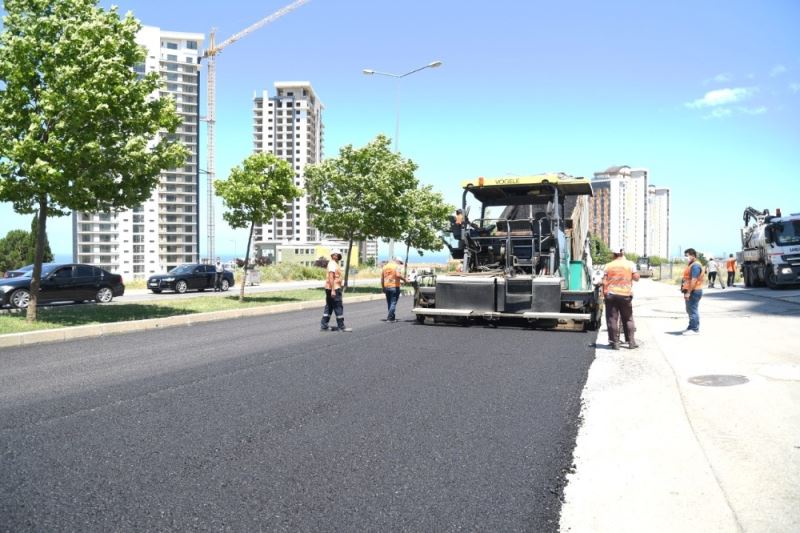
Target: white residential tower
164,231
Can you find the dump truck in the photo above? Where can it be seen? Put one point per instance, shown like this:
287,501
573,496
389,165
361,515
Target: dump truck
525,257
770,249
644,267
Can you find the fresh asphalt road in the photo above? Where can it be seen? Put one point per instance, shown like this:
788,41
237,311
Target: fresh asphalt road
269,424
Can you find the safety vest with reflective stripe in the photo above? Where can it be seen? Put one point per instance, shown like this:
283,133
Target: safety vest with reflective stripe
686,283
337,276
619,277
391,277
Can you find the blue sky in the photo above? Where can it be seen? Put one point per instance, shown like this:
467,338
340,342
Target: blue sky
704,94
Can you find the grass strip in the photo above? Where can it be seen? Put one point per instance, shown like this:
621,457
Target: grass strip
83,314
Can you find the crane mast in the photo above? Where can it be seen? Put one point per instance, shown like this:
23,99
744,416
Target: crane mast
211,113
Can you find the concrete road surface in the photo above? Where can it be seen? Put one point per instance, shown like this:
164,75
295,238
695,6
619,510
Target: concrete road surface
694,433
269,424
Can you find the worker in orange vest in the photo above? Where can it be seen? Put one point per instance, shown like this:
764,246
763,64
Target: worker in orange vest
333,295
391,278
730,266
618,292
692,289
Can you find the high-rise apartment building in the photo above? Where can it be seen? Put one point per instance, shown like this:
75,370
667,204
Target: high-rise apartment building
658,224
619,208
164,231
289,125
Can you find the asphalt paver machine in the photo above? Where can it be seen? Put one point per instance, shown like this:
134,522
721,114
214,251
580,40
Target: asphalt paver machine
524,259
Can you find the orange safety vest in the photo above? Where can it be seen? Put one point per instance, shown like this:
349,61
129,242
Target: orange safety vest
619,278
391,277
730,264
337,277
686,283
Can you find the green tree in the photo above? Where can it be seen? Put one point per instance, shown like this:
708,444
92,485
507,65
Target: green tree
599,250
358,195
79,129
14,248
427,217
256,191
30,254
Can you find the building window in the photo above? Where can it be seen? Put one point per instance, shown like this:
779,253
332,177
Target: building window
172,46
191,45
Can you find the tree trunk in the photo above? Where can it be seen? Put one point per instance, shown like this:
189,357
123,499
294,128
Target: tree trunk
347,262
246,262
36,275
405,264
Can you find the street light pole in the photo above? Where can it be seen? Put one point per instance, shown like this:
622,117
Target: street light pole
397,78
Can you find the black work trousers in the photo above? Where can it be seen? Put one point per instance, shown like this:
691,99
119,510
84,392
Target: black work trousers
333,305
619,307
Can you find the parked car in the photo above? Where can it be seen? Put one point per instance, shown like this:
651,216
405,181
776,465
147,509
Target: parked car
62,283
19,271
187,277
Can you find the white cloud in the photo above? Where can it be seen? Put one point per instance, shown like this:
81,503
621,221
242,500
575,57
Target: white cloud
724,77
719,112
794,87
722,97
760,110
777,70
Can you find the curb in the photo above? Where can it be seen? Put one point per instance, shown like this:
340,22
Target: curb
12,340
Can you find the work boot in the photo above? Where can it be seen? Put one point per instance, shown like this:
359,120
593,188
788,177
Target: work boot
614,345
633,345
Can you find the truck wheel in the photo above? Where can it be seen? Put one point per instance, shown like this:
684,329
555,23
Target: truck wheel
772,281
748,281
420,319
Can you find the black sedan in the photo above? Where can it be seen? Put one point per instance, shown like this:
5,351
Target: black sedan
62,283
19,271
189,276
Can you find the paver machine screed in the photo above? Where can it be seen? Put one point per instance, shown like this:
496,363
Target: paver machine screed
525,258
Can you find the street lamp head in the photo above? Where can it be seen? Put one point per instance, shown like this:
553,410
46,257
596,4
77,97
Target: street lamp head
368,71
434,64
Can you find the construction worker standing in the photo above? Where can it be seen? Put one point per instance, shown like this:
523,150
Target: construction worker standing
391,278
692,289
618,292
730,266
333,295
711,270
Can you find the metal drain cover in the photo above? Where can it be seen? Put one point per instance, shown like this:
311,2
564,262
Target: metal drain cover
718,380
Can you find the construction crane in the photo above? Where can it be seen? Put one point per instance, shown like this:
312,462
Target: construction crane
211,113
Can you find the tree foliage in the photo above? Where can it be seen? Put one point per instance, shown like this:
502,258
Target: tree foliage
79,129
599,250
18,248
427,216
30,254
254,193
358,195
14,248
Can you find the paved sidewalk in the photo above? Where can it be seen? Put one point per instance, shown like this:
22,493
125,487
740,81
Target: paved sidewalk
658,452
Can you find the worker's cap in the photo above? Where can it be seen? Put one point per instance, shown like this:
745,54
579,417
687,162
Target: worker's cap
397,259
619,252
